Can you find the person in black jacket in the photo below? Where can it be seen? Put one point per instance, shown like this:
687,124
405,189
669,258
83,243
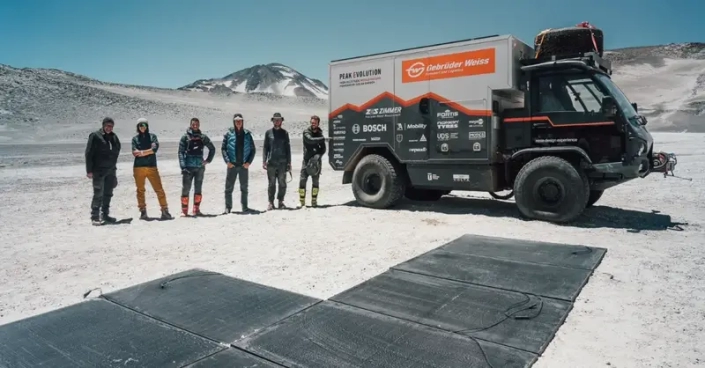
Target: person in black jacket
314,149
276,159
102,151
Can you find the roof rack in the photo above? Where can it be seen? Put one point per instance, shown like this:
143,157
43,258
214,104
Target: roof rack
591,59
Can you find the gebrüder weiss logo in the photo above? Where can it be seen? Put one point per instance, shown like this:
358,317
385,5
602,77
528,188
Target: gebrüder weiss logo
416,69
445,66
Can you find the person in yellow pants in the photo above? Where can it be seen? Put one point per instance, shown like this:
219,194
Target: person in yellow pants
144,147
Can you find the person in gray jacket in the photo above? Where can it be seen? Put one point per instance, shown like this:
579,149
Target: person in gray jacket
276,160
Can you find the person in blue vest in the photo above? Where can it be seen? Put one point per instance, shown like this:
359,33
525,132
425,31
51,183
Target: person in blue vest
193,166
239,151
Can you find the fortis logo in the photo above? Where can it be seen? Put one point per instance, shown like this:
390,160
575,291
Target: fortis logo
416,69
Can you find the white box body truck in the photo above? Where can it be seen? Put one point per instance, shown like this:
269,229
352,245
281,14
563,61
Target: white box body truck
476,115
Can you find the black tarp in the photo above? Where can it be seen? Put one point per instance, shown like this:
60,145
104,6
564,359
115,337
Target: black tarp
211,304
331,334
95,334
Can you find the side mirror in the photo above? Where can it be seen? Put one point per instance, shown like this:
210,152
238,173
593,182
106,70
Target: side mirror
635,107
609,107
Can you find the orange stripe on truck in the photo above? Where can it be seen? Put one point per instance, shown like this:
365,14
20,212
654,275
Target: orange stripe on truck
406,103
548,120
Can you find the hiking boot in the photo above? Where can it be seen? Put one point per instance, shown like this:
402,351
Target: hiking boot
143,214
302,198
227,211
314,197
270,206
184,206
95,220
166,215
281,205
197,211
106,218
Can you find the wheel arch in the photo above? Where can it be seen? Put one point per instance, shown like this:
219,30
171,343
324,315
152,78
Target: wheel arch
382,149
577,156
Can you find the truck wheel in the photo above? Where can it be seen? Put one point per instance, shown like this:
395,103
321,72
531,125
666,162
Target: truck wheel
549,188
502,196
416,194
376,182
595,196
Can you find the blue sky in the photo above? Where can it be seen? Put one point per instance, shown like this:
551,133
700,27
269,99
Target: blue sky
169,43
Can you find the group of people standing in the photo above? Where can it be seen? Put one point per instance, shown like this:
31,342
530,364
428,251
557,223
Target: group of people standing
238,151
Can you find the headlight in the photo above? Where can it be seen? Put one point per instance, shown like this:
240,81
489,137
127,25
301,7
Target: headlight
642,149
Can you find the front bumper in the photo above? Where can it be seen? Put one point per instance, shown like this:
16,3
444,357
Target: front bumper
606,175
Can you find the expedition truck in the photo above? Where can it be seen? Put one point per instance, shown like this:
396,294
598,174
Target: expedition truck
486,115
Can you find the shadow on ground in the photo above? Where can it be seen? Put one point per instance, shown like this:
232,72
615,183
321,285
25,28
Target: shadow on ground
594,217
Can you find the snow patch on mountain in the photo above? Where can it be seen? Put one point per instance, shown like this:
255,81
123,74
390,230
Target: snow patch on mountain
274,78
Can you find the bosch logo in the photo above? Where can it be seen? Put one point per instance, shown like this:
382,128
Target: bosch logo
416,69
356,128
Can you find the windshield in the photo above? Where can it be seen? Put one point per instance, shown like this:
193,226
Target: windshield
622,101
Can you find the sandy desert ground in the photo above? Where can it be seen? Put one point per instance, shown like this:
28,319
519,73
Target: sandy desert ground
644,306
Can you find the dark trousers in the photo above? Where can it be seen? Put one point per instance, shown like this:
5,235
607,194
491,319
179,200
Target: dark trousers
276,174
103,185
303,177
230,178
192,175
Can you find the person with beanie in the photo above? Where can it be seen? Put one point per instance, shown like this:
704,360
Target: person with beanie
102,152
193,166
276,160
144,147
238,149
314,149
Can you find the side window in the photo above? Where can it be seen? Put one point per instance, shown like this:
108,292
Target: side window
563,93
586,96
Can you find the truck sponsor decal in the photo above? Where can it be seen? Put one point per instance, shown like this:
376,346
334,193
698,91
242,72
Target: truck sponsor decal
383,112
396,101
460,64
452,124
461,177
359,77
369,128
546,119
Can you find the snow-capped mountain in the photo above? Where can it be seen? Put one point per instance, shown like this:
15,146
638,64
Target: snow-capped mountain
273,78
667,82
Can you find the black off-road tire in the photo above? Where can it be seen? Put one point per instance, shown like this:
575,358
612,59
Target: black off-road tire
595,196
568,41
392,184
574,183
417,194
502,197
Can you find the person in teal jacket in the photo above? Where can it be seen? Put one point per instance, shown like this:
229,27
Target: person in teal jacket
238,149
193,166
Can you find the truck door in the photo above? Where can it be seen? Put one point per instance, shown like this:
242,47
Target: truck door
412,126
562,102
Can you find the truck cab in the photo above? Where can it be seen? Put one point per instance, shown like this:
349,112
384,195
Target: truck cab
575,105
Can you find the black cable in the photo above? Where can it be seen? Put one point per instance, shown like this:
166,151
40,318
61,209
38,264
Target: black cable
164,283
